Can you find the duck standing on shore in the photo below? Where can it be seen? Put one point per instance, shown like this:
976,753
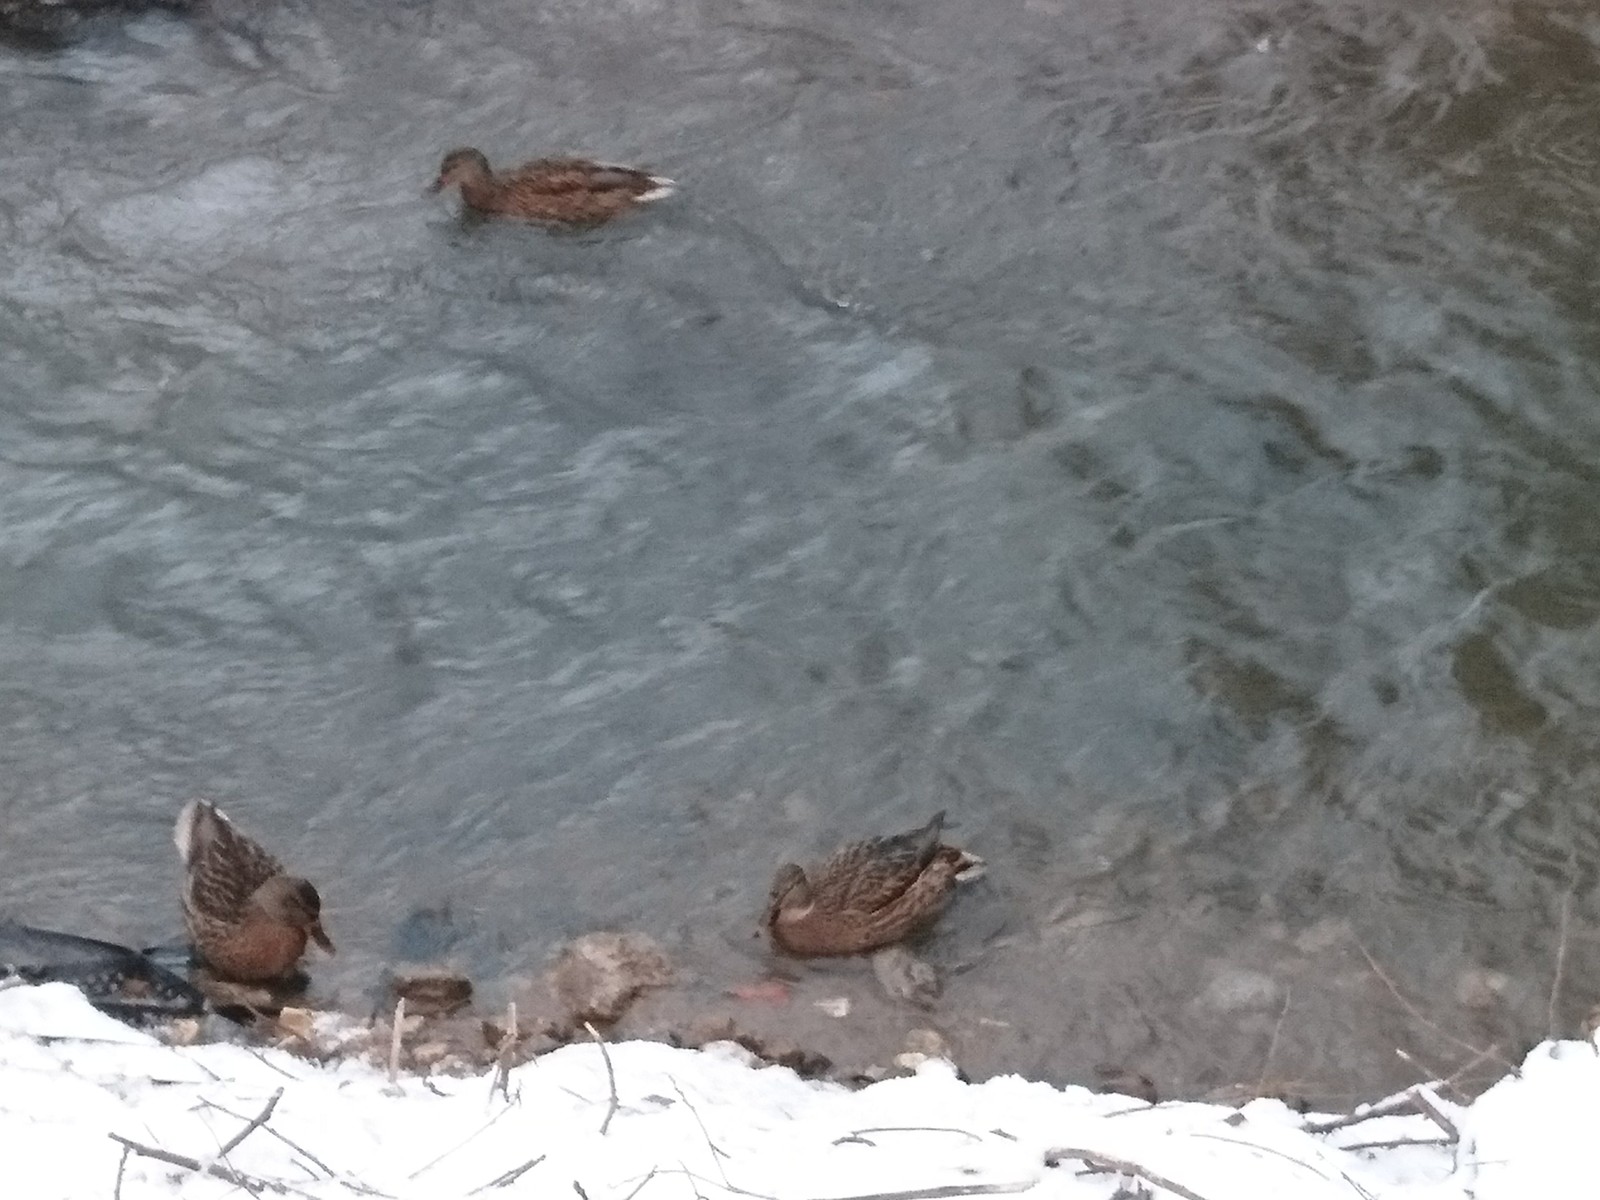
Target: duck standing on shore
247,918
572,191
866,895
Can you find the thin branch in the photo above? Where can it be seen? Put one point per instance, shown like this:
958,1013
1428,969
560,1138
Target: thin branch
436,1160
1390,1106
639,1187
963,1189
503,1053
1272,1046
297,1148
122,1165
1106,1162
510,1177
227,1174
857,1135
1561,965
717,1154
394,1039
1396,1143
1434,1109
611,1076
1418,1015
256,1122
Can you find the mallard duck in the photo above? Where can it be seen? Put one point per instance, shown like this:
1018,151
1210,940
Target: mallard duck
576,191
866,895
248,919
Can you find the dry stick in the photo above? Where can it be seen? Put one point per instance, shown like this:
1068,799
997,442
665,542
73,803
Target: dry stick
1396,1143
1272,1046
510,1177
1561,965
1286,1157
1418,1016
639,1187
1433,1108
298,1149
953,1189
394,1039
611,1077
717,1153
856,1134
1104,1162
256,1122
502,1059
227,1174
1388,1107
122,1165
439,1158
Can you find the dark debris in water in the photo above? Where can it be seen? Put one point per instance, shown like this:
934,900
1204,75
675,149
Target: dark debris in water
119,981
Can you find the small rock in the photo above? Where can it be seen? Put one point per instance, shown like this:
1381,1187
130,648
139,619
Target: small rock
430,991
765,991
596,976
906,977
1122,1081
834,1006
297,1022
1481,988
929,1043
702,1031
1238,989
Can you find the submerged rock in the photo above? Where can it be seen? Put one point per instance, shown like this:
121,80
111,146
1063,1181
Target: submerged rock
48,24
596,976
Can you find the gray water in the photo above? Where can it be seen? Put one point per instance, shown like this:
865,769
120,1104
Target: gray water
1163,435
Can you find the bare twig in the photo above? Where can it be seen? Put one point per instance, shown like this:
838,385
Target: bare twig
611,1076
959,1189
1388,1107
858,1135
227,1174
1396,1143
510,1177
1434,1109
578,1187
503,1053
298,1149
717,1153
1422,1019
256,1122
394,1039
437,1159
1272,1046
639,1187
1105,1162
1312,1168
1561,965
122,1165
263,1060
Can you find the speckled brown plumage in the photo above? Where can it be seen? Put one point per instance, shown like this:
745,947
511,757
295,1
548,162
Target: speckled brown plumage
866,895
574,191
248,919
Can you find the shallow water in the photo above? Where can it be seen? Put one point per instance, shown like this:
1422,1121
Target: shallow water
1164,436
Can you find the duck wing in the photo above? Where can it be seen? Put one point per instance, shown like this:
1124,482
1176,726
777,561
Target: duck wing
870,875
225,867
567,176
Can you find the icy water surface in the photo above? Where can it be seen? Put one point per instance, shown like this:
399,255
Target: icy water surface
1163,435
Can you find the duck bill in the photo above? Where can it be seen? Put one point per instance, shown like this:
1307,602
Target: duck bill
436,186
320,937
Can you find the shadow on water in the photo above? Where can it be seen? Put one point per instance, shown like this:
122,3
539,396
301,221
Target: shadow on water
1163,436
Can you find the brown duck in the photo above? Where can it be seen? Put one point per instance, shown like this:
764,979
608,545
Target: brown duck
575,191
866,895
248,919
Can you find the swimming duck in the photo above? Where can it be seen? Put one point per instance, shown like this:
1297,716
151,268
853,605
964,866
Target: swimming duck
866,895
248,919
575,191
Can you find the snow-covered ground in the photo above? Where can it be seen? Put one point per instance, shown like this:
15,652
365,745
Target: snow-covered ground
715,1124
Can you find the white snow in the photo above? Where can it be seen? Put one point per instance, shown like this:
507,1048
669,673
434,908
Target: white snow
715,1124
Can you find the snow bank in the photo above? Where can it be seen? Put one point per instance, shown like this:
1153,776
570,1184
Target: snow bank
713,1123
